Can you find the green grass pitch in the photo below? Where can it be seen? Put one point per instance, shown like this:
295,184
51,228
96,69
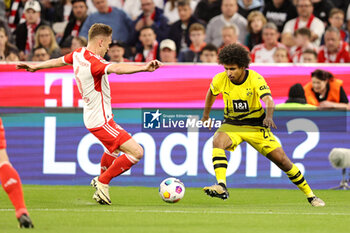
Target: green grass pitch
138,209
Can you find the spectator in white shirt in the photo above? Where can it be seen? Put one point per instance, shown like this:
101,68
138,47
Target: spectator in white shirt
229,16
133,7
305,19
171,11
263,53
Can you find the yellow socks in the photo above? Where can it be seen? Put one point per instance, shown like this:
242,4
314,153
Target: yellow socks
294,174
298,179
220,165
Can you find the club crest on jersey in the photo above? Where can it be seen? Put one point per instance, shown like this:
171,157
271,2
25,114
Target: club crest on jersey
249,92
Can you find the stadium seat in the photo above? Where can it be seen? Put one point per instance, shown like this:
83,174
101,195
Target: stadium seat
340,159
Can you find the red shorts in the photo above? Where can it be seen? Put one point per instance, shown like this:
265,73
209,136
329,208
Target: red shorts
111,135
2,136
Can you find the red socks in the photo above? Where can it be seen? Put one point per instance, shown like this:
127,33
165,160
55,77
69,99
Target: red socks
11,183
120,165
106,161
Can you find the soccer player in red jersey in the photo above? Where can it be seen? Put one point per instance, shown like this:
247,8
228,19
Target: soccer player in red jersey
91,74
11,182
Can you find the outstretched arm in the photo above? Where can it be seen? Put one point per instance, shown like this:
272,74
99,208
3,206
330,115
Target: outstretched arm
329,104
52,63
270,107
121,68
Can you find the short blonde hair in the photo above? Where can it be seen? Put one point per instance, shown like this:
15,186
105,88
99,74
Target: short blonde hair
99,29
251,17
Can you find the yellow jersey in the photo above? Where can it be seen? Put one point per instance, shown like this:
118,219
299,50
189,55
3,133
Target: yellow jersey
242,101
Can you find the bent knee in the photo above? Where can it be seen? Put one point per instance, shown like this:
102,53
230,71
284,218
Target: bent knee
3,156
218,144
221,141
138,154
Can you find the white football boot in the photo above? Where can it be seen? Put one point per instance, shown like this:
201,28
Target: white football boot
98,199
102,191
217,190
316,202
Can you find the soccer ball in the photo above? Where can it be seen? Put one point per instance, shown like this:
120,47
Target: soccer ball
171,190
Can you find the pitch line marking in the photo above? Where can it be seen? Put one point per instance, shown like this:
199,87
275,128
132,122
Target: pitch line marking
179,211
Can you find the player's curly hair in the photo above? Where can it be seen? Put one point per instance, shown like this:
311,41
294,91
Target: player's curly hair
234,54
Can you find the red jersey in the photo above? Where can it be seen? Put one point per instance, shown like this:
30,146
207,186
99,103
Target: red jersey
92,79
341,56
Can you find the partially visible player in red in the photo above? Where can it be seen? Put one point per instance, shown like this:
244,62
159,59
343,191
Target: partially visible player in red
11,182
91,74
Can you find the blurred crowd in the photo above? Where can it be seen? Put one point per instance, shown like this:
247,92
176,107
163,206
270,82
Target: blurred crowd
274,31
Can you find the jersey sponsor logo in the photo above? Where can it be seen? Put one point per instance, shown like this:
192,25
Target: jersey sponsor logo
264,87
240,105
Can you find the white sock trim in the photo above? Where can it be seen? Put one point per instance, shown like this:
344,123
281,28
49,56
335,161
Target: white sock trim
114,154
5,162
132,158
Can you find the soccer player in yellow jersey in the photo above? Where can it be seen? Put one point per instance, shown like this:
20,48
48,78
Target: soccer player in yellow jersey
246,120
